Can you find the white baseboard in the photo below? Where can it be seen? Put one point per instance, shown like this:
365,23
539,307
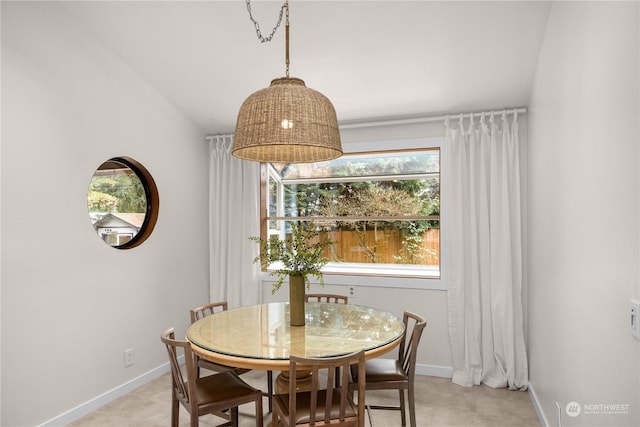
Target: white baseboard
434,371
538,408
106,397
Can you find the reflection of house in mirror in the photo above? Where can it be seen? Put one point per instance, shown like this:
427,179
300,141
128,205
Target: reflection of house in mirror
118,228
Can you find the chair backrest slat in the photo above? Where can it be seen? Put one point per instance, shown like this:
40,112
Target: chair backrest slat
314,394
323,371
333,298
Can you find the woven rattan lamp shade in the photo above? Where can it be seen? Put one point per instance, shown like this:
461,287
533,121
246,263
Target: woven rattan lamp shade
287,123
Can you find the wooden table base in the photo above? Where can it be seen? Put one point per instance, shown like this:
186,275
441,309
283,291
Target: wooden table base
303,382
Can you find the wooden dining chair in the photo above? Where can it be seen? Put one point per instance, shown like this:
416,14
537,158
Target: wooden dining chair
397,374
207,395
205,310
201,312
330,298
323,404
341,299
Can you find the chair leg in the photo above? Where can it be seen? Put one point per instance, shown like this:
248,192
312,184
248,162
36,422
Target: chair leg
259,415
412,406
368,408
270,390
175,411
234,416
402,408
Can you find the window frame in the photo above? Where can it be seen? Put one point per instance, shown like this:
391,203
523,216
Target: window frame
343,275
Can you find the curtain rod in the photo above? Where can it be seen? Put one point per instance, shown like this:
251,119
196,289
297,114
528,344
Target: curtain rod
426,119
403,121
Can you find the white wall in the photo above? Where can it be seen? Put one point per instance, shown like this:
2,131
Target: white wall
71,305
583,213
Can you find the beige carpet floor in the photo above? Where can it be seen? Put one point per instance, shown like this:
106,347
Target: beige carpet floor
439,403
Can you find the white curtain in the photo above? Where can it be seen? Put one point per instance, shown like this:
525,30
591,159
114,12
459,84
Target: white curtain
234,190
483,258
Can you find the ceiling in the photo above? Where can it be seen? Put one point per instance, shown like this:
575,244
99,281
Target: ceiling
372,59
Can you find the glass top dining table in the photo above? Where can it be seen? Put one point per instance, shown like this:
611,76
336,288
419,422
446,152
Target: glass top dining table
260,337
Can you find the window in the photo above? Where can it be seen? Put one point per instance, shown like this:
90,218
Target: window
122,202
381,209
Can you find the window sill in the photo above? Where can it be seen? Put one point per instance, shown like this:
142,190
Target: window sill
376,277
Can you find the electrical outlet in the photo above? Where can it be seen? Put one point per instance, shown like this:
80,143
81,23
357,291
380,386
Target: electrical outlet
128,357
634,321
352,291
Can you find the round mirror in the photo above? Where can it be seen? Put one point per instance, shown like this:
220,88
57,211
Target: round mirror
122,202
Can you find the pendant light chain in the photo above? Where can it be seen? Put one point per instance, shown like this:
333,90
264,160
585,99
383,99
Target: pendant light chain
283,10
263,39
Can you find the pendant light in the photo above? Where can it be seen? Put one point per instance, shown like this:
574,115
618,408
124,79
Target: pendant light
286,122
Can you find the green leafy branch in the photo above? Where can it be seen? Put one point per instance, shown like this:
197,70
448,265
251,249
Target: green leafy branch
300,253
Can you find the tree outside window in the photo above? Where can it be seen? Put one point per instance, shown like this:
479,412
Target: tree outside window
381,208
